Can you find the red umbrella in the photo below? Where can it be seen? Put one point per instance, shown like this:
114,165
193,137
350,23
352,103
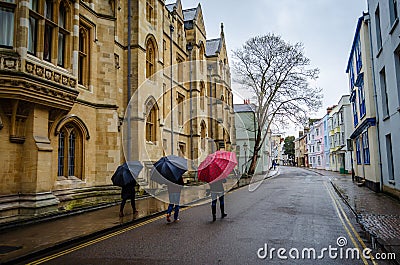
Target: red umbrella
217,166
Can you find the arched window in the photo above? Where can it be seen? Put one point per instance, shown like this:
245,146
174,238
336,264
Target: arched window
202,95
62,34
203,131
150,10
70,151
201,58
151,121
83,55
150,58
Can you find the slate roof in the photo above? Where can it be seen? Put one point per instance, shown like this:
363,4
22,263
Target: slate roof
189,14
213,47
244,108
170,7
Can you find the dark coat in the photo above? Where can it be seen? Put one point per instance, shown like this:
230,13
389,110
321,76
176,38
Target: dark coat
128,191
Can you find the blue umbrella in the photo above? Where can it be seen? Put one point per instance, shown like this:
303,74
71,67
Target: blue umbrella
169,169
126,173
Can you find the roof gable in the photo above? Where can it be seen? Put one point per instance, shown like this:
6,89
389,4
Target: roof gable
213,47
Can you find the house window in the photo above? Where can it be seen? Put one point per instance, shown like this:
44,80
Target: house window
355,115
7,23
49,21
150,58
164,52
351,75
389,154
70,151
150,10
358,150
384,97
151,122
83,55
378,29
179,61
203,134
180,109
365,143
201,58
393,11
182,149
358,55
202,95
62,34
361,99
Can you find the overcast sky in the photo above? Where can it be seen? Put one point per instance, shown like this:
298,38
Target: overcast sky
326,27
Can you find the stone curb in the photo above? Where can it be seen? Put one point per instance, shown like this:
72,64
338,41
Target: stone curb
376,242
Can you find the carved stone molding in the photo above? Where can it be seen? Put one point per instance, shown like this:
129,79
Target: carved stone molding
10,62
49,74
42,93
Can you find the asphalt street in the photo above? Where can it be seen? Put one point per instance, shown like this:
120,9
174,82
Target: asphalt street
283,221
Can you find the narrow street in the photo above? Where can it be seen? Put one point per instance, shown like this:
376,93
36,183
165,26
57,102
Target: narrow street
297,209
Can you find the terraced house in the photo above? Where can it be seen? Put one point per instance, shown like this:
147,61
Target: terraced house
385,49
64,81
364,135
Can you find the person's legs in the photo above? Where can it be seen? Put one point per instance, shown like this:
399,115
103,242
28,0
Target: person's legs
176,200
214,205
133,204
222,206
121,208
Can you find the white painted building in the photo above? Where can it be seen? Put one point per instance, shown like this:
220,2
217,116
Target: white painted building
340,129
385,32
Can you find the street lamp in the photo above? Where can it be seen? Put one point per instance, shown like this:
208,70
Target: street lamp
245,155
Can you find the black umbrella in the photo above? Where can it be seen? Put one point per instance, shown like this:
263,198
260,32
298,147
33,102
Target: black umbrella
126,173
169,168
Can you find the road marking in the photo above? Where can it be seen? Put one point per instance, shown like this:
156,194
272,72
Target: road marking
341,213
97,240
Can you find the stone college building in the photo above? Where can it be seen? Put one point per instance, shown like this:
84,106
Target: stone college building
65,69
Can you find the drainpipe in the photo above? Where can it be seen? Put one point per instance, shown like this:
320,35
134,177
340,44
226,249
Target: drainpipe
368,20
171,30
128,152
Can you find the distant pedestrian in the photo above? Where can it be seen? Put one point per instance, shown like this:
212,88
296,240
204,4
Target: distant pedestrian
174,193
274,164
128,193
217,191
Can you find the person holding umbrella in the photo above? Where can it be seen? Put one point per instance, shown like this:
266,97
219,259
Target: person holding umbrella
124,177
174,193
169,170
217,191
214,170
128,192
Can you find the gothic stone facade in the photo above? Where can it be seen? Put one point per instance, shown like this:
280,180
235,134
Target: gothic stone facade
63,97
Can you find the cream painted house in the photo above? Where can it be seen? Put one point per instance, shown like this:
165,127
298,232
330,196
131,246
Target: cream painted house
364,135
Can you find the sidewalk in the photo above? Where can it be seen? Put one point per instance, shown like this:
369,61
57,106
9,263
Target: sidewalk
377,213
34,239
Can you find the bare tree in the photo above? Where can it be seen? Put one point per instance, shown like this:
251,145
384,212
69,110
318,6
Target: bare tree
278,76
